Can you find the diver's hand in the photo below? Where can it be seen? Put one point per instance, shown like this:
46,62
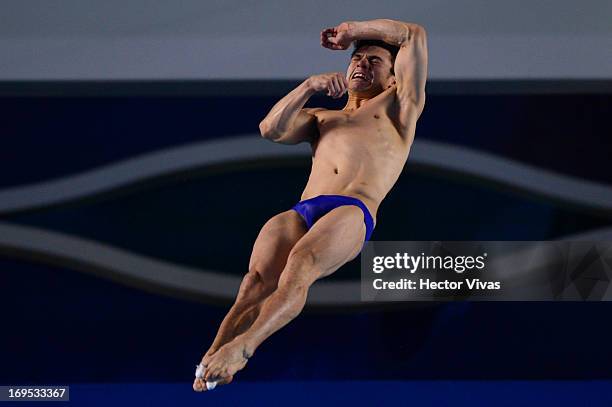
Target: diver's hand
334,84
337,38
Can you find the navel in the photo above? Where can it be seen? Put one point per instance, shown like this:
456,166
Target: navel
376,116
335,170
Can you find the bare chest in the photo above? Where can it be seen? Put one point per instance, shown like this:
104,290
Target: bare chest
367,128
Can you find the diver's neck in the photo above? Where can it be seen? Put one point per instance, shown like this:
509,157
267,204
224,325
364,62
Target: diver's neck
356,101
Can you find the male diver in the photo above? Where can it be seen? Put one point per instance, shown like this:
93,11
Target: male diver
358,154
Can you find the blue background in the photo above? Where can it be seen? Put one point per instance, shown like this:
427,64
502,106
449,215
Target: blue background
62,326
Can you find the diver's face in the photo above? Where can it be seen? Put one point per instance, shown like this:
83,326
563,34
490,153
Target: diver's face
370,70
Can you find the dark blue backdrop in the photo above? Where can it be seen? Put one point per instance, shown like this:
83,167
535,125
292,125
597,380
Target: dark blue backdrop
76,328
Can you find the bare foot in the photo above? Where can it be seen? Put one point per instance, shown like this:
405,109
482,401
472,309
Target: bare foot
229,359
207,356
199,384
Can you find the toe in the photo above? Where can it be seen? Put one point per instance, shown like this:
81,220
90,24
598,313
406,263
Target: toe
219,382
211,374
198,385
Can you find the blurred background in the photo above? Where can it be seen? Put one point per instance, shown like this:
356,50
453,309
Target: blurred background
133,183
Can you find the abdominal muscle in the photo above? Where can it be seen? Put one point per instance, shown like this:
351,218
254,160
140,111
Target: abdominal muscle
357,161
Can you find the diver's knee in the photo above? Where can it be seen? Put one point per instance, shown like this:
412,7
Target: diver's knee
255,286
302,258
301,272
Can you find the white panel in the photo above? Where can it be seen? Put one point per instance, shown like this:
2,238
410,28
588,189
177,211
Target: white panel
136,39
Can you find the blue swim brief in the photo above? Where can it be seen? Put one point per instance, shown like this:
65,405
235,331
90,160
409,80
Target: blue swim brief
313,209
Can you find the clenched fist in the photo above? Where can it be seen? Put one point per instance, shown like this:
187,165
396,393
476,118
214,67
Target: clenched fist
339,37
334,84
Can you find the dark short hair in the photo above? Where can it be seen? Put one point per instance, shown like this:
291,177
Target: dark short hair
393,50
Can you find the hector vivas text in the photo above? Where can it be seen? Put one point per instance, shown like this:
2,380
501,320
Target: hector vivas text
405,263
